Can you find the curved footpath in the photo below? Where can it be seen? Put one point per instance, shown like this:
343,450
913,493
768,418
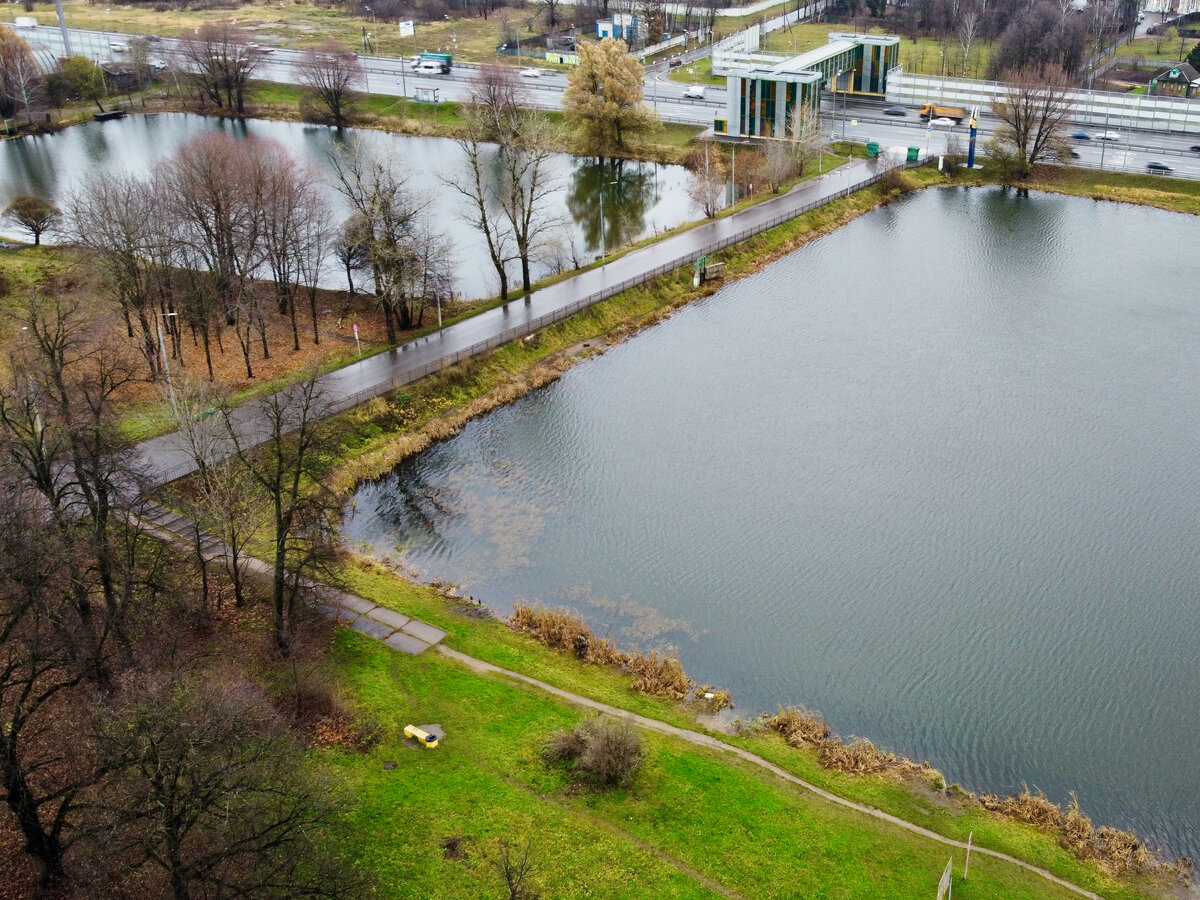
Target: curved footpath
413,637
162,459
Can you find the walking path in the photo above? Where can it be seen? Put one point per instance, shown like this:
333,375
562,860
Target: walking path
413,637
163,459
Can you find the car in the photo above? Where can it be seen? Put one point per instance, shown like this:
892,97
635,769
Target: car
1158,168
531,73
1074,154
675,62
1081,135
1195,148
694,92
895,111
949,123
1108,136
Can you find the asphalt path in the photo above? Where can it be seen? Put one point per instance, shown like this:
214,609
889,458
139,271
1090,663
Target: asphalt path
164,458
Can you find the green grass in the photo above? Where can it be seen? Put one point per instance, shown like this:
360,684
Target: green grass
925,56
690,810
698,72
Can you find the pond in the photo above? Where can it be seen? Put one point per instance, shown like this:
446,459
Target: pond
933,474
640,199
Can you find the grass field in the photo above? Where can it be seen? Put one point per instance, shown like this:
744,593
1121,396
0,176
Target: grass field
926,56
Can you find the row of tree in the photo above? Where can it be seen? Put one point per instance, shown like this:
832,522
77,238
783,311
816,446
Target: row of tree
136,755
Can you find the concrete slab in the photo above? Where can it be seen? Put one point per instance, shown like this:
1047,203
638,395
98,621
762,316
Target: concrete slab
389,617
358,604
372,628
338,613
426,633
406,643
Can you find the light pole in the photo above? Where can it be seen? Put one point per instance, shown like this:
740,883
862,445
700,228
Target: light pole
603,243
166,366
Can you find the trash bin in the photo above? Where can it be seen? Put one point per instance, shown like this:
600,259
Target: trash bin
872,148
914,153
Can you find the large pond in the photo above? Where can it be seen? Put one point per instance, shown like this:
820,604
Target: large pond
934,475
640,199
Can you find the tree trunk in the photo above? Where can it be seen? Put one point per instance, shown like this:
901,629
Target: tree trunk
40,844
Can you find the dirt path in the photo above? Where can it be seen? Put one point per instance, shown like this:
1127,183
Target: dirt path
704,740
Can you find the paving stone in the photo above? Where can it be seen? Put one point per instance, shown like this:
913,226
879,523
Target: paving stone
406,643
358,604
333,611
389,617
427,633
372,628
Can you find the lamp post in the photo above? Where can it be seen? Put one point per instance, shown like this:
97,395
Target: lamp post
603,242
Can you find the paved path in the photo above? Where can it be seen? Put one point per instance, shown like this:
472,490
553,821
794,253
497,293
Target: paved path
412,636
707,740
163,460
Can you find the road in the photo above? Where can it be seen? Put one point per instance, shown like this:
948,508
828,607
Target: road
163,459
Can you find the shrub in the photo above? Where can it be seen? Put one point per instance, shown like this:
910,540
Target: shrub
607,752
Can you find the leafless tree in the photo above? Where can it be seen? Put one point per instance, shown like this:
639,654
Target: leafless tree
220,63
707,185
968,30
516,863
213,185
332,73
779,164
528,183
115,218
20,78
311,250
351,248
388,216
1033,114
214,797
286,467
497,97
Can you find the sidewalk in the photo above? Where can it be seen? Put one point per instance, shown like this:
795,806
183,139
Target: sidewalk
163,460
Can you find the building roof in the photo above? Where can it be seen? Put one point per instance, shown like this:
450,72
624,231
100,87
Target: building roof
1178,72
807,62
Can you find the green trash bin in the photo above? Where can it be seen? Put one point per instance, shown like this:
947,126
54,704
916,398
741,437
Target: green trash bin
872,148
914,154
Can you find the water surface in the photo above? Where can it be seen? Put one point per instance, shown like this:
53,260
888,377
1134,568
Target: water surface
933,474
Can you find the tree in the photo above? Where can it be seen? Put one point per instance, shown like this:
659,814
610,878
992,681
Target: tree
33,214
80,79
1193,56
805,136
219,61
603,100
707,186
1033,116
286,467
330,72
528,183
214,798
20,77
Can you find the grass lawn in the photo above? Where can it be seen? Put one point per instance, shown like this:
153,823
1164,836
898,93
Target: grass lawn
692,817
925,56
698,72
1152,49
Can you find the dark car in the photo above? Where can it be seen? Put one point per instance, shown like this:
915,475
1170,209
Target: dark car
675,62
1158,168
1081,135
1195,148
895,111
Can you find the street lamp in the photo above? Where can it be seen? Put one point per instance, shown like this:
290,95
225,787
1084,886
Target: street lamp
603,243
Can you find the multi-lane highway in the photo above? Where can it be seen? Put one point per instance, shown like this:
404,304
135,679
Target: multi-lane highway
856,119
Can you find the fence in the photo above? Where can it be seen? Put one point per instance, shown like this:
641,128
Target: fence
1102,108
407,376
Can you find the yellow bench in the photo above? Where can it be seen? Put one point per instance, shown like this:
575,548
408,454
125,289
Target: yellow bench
429,740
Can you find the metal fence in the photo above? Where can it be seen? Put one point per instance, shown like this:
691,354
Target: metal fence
1102,108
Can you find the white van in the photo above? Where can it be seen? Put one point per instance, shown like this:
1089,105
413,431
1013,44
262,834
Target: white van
25,22
694,92
117,47
430,67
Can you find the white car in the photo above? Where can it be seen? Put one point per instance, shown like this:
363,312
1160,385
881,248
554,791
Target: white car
1108,136
531,73
948,123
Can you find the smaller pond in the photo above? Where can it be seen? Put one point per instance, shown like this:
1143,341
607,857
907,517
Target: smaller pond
640,199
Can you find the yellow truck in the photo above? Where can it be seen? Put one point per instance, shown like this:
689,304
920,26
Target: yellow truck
933,111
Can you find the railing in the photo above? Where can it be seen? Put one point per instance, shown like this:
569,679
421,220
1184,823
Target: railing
1105,108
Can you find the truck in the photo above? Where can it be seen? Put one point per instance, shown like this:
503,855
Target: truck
933,111
433,63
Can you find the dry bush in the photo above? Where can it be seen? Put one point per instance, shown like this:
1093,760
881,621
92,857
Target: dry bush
607,752
895,181
719,699
1033,809
861,757
556,628
799,726
604,652
659,675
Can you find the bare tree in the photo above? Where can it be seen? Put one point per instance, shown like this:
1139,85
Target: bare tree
528,184
707,186
968,30
387,215
214,797
311,250
331,72
497,97
220,62
1034,114
115,218
351,248
18,74
286,466
34,215
516,864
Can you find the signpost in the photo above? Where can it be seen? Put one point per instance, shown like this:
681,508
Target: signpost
407,29
944,886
